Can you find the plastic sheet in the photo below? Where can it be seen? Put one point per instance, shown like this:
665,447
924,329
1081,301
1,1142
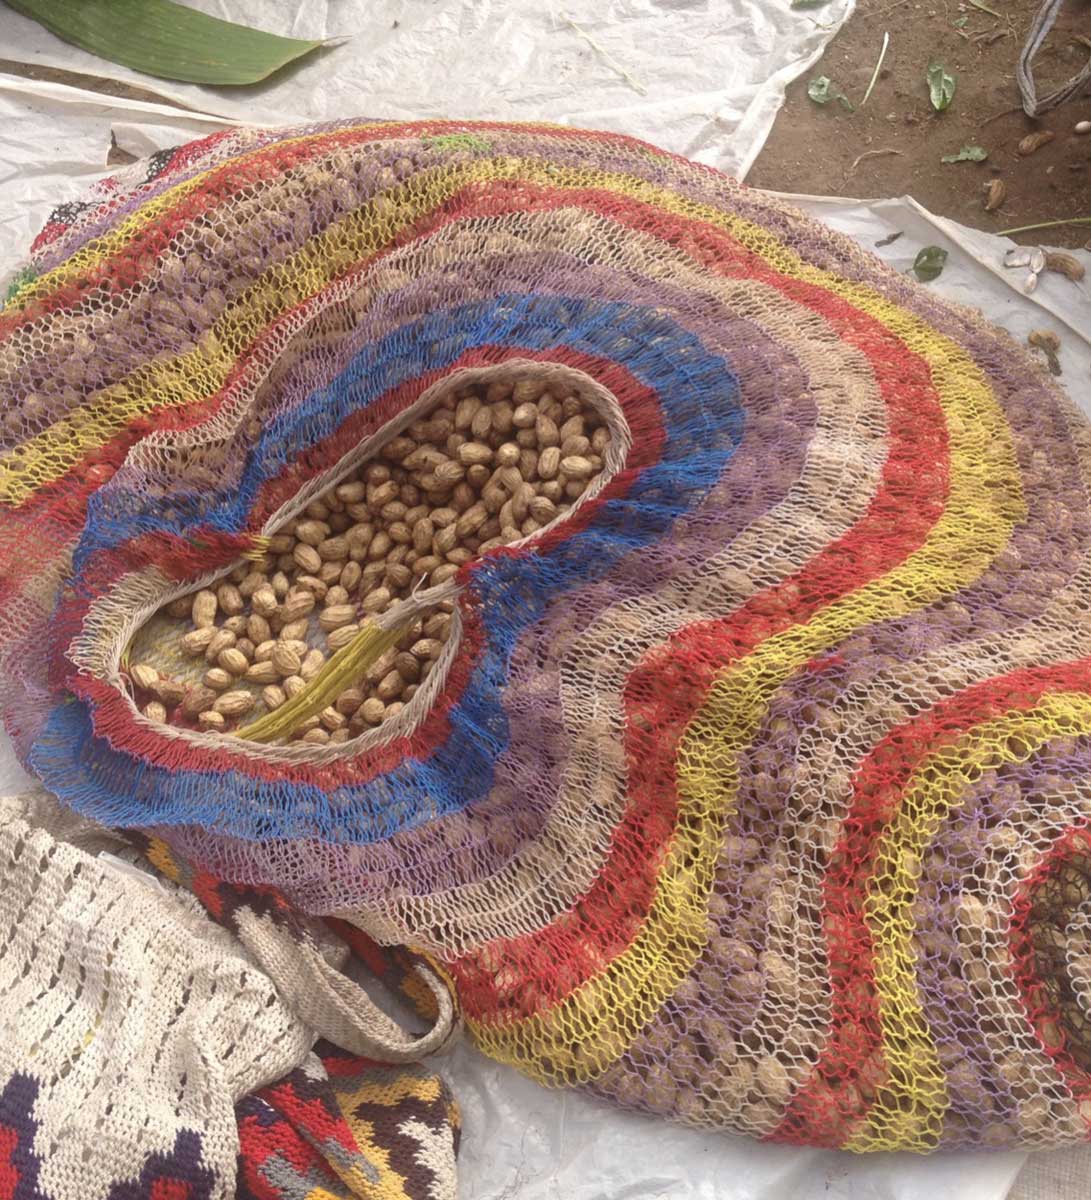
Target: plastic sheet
704,78
975,275
521,1142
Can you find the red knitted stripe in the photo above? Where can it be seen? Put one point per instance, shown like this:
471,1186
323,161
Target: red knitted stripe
666,691
114,719
813,1117
139,255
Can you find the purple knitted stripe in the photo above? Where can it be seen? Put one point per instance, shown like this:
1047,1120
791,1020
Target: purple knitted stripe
761,471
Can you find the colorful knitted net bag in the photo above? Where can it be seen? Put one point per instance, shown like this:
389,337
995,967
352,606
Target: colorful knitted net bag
668,617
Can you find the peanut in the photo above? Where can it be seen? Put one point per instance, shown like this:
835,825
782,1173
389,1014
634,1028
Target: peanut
487,467
233,704
307,558
144,676
264,601
313,662
341,637
262,672
204,609
257,628
222,640
285,659
336,615
170,691
298,605
233,660
311,533
197,700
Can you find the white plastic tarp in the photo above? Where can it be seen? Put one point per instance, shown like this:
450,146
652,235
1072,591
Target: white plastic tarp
701,77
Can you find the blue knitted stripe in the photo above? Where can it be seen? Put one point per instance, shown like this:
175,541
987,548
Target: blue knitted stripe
702,421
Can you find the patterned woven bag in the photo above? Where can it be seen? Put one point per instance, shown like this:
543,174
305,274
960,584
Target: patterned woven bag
594,573
130,1026
341,1128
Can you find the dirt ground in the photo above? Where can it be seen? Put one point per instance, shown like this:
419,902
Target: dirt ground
816,148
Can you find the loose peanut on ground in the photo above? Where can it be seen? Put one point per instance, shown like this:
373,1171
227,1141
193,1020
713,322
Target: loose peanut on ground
489,465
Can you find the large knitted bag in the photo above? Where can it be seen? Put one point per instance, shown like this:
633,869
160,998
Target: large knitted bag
551,554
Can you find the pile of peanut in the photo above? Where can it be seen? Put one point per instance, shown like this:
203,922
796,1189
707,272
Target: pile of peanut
489,465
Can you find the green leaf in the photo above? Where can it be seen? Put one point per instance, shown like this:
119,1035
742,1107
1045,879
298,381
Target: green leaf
799,5
941,85
167,40
961,22
929,263
822,90
968,153
19,281
457,141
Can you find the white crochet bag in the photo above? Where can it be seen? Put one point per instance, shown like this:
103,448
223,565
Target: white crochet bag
129,1022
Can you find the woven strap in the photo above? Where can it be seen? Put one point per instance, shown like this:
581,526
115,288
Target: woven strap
335,1006
1024,70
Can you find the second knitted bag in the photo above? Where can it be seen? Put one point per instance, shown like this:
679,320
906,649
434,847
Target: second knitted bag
130,1024
343,1128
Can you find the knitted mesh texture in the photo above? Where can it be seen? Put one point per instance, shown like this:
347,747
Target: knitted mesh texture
131,1025
752,792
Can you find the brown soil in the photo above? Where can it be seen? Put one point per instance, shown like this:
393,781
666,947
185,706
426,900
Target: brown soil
813,147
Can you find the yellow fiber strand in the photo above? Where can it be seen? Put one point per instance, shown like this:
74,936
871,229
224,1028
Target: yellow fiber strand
349,663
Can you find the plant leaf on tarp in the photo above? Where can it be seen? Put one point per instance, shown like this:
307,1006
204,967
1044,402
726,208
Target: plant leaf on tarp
929,263
802,5
941,85
822,90
968,153
167,40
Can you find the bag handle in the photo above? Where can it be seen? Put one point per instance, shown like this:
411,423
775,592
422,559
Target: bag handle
334,1005
288,946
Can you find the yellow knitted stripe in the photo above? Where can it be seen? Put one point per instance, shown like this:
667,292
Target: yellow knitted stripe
196,374
984,504
94,253
387,1088
908,1113
160,855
